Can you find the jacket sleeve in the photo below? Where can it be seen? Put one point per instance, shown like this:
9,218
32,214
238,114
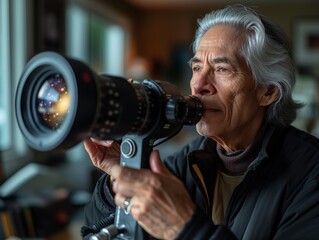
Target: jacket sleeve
301,218
100,210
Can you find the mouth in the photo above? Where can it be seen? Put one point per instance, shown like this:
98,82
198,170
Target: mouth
211,110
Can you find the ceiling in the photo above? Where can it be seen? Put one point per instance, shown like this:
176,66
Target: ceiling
147,4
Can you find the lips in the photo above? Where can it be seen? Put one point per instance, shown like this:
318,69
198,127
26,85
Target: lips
211,110
210,107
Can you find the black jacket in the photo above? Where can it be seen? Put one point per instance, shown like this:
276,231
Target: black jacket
277,199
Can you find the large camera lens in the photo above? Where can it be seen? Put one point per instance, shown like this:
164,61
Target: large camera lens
53,101
60,101
48,101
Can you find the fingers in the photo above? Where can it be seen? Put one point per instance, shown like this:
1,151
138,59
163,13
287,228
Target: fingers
105,143
157,165
127,181
120,199
95,152
103,154
155,197
130,175
159,203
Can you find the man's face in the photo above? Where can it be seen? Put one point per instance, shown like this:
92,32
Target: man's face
224,83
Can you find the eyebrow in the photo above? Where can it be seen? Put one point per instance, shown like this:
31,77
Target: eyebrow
215,60
193,60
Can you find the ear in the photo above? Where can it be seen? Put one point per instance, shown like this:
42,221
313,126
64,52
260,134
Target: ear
269,94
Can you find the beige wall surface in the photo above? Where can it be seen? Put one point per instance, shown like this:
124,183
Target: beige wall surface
157,31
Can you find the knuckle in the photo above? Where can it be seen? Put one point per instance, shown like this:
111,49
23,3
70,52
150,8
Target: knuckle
141,213
151,194
120,173
155,182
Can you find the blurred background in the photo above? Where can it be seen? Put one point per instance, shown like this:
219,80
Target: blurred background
43,194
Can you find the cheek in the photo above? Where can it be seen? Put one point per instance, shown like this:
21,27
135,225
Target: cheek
229,101
245,107
236,103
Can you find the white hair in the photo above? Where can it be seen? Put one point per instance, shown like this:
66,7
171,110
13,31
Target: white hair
267,53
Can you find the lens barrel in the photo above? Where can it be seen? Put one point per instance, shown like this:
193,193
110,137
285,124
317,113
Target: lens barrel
60,102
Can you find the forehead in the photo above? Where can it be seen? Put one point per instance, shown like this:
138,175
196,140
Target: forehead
224,38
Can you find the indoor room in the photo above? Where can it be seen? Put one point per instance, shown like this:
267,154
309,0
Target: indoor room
46,181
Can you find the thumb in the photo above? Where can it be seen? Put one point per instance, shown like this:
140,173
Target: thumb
156,164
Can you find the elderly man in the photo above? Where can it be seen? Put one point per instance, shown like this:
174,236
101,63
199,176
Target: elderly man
250,175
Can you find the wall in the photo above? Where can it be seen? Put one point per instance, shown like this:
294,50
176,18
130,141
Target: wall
158,30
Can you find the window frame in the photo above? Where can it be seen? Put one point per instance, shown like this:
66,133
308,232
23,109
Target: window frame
5,74
113,17
17,47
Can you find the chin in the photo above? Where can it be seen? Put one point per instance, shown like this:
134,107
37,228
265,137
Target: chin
202,128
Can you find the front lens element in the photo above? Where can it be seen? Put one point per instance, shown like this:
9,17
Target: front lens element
53,101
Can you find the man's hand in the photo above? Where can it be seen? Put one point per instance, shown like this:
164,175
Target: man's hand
159,200
104,154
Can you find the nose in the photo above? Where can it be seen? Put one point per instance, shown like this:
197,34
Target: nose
202,85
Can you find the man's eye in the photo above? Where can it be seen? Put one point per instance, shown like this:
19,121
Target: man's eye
222,70
196,68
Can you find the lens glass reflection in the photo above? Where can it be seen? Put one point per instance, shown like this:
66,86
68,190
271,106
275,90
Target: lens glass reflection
53,101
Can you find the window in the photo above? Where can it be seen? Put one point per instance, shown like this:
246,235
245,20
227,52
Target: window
5,121
90,36
12,60
95,40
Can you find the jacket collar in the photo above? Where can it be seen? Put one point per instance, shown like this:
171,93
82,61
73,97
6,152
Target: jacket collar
204,166
204,161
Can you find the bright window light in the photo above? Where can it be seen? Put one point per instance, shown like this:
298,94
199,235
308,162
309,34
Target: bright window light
5,113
